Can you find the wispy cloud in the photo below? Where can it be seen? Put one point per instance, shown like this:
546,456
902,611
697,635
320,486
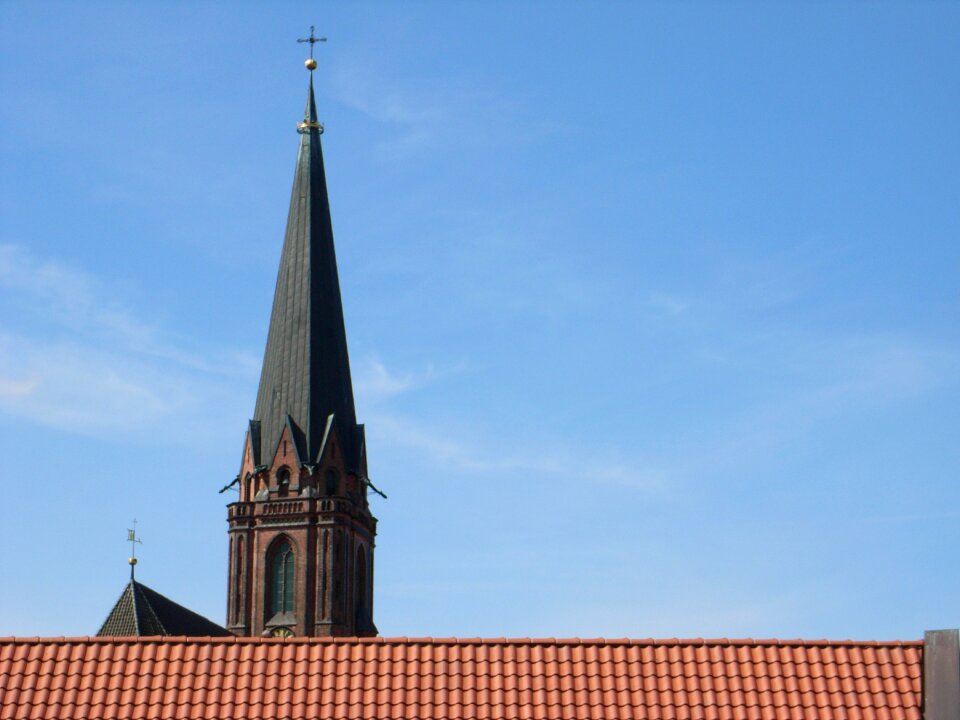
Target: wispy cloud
446,451
451,452
85,390
436,111
89,365
77,302
471,452
18,388
810,381
422,115
669,304
375,384
879,369
822,379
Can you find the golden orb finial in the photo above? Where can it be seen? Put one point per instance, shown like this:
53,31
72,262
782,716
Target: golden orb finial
132,561
311,64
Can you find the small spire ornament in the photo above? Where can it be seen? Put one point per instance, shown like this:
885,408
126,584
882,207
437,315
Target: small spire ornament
133,540
311,63
310,122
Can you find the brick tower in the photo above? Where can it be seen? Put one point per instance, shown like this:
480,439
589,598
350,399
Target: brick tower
301,533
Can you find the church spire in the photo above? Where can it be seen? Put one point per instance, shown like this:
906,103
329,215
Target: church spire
306,370
301,532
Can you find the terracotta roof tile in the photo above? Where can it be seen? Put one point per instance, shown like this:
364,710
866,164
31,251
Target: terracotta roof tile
177,677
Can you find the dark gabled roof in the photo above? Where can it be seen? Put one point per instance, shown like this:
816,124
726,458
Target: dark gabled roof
145,612
306,370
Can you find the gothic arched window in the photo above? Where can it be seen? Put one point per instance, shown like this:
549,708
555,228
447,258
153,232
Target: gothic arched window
281,579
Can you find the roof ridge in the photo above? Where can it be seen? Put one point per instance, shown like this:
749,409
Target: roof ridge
133,603
179,639
147,607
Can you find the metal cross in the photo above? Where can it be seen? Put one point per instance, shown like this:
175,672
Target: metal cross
313,39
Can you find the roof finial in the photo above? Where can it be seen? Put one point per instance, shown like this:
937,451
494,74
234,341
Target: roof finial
310,122
313,39
133,540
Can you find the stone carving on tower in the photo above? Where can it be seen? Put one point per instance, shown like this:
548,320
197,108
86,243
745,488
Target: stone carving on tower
301,533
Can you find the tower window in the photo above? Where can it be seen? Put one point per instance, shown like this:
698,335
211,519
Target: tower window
361,579
330,482
283,482
281,579
363,621
238,583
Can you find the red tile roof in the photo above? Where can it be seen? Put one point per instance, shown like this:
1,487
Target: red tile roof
175,677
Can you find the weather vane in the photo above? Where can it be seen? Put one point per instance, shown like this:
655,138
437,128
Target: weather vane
133,540
313,40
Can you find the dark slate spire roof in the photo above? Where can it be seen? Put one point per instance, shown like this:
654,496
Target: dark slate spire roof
306,371
142,611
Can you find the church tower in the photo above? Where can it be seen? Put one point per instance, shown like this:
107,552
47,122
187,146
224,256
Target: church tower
301,533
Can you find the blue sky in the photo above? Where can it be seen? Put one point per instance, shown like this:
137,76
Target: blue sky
652,308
